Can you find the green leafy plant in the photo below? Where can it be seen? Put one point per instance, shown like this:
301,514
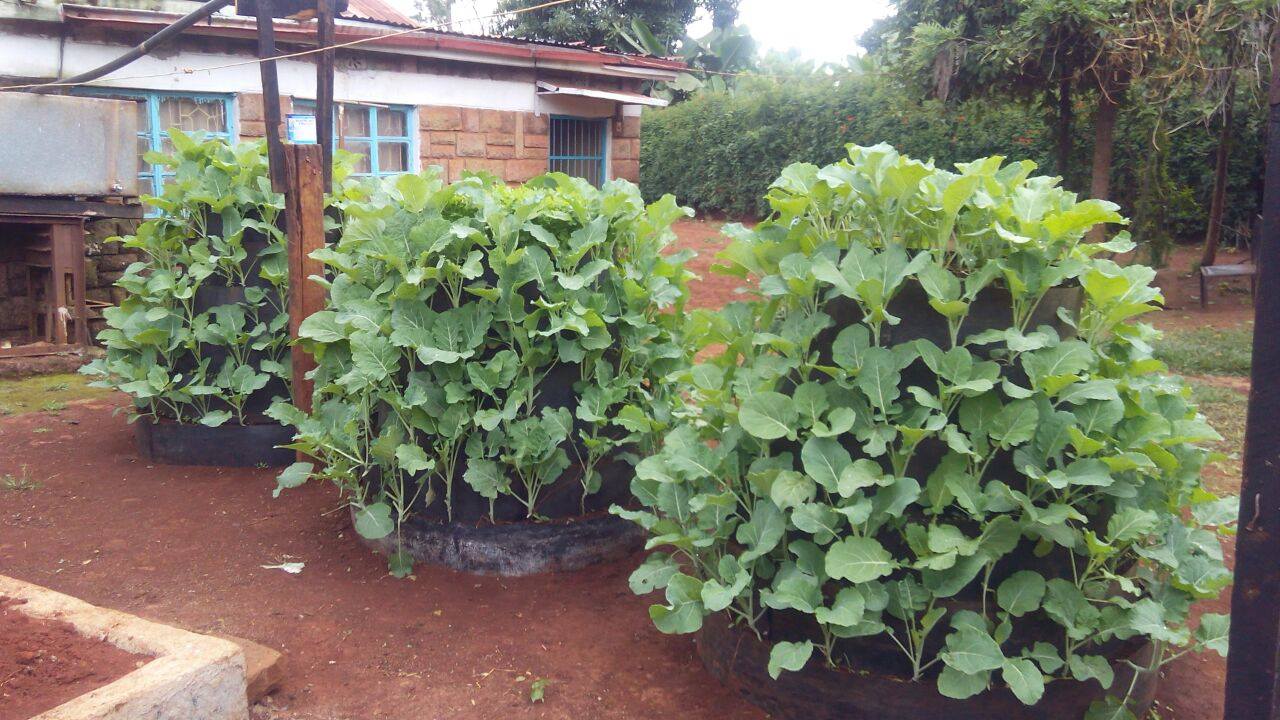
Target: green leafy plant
451,310
180,357
939,424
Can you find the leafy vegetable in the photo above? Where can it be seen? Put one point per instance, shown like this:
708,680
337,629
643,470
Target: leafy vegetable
939,417
181,355
455,311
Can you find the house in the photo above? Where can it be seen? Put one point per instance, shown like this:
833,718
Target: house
405,99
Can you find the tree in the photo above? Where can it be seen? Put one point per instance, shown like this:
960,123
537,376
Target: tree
601,23
436,11
1051,51
1240,65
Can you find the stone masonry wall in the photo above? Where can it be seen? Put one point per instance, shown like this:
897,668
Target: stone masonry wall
512,145
104,263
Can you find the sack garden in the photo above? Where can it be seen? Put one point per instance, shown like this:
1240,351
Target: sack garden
929,468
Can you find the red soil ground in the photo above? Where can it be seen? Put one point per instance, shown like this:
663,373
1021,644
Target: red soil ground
44,663
186,545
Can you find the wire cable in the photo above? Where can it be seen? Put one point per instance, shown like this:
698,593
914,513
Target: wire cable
301,53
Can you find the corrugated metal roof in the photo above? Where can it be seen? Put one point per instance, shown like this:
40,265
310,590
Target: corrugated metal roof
377,11
367,30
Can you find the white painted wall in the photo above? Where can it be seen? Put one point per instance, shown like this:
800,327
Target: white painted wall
26,55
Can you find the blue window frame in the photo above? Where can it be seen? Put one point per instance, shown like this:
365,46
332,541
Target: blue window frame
579,147
381,136
212,114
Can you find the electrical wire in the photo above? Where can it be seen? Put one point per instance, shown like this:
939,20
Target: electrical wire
301,53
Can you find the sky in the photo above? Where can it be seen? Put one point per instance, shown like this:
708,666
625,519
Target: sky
822,30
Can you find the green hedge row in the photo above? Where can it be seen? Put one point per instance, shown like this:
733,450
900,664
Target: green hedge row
719,152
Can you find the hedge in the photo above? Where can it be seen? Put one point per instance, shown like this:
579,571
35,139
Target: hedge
718,152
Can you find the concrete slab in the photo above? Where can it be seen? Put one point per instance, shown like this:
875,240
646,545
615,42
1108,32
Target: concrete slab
193,677
263,668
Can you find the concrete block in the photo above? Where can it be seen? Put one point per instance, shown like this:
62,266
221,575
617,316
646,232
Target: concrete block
498,121
497,167
441,118
500,152
524,170
537,124
626,169
471,145
471,119
263,668
191,676
250,106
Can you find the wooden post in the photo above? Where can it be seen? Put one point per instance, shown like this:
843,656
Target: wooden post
324,90
1255,599
270,93
304,224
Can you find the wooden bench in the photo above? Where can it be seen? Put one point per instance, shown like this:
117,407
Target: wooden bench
1245,269
1214,272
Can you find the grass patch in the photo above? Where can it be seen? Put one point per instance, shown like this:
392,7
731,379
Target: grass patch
21,482
1208,351
1224,408
49,393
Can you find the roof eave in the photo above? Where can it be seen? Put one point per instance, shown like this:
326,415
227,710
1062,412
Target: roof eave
422,43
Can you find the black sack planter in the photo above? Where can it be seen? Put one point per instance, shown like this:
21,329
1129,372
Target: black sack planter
817,692
229,445
573,532
518,548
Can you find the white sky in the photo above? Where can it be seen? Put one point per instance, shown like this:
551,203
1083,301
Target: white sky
822,30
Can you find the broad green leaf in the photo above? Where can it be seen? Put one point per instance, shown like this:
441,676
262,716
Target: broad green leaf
768,415
1095,667
824,460
374,521
847,609
653,573
1024,679
763,532
1021,592
971,651
684,611
790,656
1213,632
293,476
413,459
961,686
858,559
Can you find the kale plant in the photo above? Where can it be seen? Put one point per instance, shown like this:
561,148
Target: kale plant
451,308
1011,498
179,356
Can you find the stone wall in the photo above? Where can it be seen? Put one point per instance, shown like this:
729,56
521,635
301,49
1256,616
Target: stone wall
15,303
104,263
512,145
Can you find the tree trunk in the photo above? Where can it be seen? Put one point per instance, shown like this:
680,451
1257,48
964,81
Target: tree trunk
1104,132
1064,141
1218,203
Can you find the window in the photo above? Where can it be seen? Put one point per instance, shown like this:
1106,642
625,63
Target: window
159,111
382,136
578,147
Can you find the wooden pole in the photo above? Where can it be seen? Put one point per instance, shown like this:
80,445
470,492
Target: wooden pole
1255,599
270,93
324,91
304,224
